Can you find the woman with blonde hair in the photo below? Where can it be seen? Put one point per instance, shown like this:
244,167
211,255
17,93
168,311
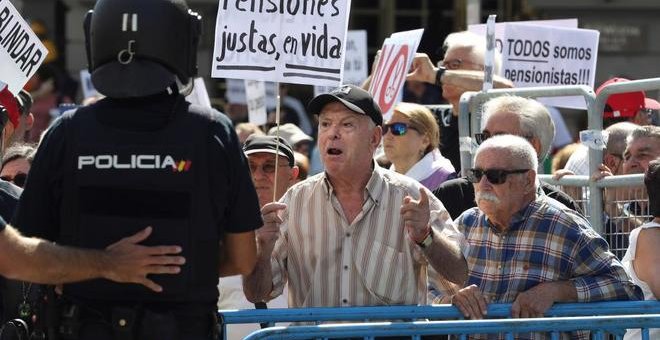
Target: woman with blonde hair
410,142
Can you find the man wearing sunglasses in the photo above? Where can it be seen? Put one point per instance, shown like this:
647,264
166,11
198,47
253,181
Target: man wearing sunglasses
356,234
507,115
527,249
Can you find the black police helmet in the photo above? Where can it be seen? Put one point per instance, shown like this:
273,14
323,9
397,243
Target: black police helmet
136,48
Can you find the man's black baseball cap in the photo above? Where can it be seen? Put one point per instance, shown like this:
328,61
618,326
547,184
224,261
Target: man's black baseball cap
268,144
353,97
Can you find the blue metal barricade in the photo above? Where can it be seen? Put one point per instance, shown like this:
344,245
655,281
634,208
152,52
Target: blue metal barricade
319,315
598,325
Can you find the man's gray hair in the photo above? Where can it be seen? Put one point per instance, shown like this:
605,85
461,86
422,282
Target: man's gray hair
476,44
645,131
520,151
535,120
618,135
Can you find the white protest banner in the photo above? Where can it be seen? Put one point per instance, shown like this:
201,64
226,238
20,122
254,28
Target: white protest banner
255,95
355,62
396,57
199,94
88,88
546,56
21,51
282,41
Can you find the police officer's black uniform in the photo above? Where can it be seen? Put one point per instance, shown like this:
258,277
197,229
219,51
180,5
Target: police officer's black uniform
143,156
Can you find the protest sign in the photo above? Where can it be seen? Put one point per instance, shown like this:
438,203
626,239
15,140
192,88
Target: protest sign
490,53
282,41
355,62
546,53
396,57
21,51
255,96
548,56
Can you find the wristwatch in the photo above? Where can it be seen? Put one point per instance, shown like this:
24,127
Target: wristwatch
438,75
427,240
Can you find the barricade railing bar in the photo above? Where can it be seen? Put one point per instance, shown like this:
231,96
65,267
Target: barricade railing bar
411,313
469,118
470,122
598,325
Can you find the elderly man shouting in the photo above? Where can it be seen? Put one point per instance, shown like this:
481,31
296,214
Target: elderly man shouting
357,234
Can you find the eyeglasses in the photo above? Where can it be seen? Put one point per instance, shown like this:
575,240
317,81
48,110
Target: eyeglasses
455,64
494,176
268,168
398,129
18,179
481,137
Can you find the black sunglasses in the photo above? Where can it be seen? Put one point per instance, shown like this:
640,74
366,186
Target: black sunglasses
494,176
19,179
397,129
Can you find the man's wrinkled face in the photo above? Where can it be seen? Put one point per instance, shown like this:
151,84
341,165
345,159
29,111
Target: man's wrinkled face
498,199
458,58
262,168
639,153
347,140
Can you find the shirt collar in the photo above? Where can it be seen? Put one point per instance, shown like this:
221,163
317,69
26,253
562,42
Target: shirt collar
373,190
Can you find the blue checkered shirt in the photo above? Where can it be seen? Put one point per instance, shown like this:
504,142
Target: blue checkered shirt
545,242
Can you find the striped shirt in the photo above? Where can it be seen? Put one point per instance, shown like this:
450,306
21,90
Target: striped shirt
372,261
545,242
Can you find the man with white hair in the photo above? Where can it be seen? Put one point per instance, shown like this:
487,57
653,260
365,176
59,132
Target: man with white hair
461,70
527,249
356,234
513,115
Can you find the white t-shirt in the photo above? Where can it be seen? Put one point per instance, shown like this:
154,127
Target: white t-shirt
627,262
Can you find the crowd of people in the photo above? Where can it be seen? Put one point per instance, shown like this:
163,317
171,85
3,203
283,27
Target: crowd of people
136,218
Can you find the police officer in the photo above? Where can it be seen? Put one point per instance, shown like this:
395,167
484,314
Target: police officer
144,156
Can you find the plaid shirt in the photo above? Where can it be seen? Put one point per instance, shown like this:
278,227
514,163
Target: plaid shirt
545,242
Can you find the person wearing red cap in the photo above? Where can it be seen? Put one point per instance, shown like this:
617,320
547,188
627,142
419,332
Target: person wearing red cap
621,107
9,102
25,119
649,115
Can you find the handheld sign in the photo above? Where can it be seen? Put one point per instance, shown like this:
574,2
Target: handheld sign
396,57
490,53
21,51
355,63
547,53
546,56
255,94
282,41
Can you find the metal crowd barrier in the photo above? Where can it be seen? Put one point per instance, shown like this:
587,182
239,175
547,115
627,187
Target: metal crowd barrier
469,118
626,204
319,315
470,123
599,326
